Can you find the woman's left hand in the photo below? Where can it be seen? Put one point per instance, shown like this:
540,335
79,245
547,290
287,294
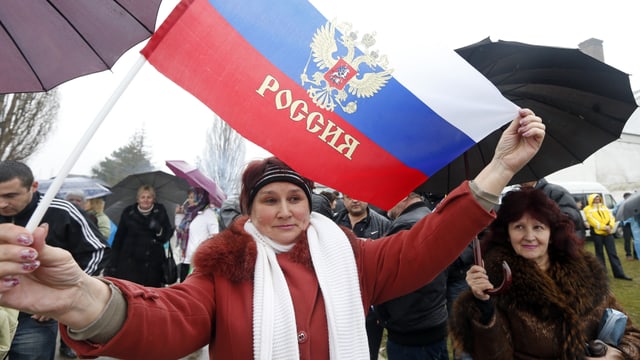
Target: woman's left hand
612,354
45,280
478,282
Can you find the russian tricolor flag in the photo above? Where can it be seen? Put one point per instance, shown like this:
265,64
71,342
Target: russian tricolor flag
304,82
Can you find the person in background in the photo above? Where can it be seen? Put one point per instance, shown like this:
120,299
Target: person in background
229,211
629,240
456,285
416,322
339,202
138,245
565,201
365,224
558,295
602,223
69,229
77,198
634,224
8,325
321,205
280,283
185,213
198,223
331,196
95,208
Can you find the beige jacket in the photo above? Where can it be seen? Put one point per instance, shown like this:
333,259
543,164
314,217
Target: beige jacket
8,325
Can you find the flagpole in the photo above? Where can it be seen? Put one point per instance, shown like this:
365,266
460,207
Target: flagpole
82,144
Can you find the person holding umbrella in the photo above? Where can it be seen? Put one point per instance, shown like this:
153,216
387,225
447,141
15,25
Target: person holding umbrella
558,295
197,221
138,245
281,282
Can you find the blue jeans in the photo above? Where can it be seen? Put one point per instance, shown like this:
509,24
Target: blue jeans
434,351
34,340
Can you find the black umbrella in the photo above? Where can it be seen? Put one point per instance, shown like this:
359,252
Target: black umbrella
45,43
584,103
170,192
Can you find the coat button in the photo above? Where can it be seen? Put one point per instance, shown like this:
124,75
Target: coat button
302,337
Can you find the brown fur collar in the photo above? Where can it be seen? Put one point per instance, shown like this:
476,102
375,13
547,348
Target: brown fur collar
570,285
232,253
568,292
571,291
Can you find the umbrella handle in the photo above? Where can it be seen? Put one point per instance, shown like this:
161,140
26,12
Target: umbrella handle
506,270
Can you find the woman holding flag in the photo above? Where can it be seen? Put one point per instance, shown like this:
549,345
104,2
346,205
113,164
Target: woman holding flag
280,283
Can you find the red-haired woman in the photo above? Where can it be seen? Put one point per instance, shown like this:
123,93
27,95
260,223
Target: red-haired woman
558,295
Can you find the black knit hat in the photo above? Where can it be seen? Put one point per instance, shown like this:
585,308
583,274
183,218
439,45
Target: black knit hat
278,174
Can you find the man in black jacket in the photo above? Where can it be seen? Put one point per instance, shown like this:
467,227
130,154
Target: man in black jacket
417,322
366,224
36,335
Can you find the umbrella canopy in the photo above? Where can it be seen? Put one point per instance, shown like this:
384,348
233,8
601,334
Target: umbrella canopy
629,207
92,188
45,43
197,178
584,103
170,192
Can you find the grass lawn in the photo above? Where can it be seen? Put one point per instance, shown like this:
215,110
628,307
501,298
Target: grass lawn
627,292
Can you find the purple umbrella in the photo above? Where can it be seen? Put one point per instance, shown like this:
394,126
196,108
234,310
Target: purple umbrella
196,178
45,43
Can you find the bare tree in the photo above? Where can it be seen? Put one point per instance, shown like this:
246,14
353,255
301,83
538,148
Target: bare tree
223,156
25,122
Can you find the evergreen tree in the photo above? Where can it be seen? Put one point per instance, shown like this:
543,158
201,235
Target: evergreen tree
131,158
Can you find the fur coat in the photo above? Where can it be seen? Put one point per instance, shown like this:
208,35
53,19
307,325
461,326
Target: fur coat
543,315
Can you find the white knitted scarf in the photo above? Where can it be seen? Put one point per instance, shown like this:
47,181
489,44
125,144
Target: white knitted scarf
274,324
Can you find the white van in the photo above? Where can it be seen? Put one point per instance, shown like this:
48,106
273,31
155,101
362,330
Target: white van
580,190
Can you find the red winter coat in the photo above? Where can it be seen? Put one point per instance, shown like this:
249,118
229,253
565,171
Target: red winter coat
214,305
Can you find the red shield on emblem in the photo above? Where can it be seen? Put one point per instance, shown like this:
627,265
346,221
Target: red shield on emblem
340,74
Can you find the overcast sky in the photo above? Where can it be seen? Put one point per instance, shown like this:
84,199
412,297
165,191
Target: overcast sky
175,122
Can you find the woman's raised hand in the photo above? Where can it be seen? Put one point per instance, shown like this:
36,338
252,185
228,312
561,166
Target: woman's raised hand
518,144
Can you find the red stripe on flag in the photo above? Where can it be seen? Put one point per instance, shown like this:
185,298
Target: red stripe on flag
200,51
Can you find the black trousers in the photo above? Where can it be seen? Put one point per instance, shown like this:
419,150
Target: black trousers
609,244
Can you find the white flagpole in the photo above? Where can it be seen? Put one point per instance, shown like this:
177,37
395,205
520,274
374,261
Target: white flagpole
35,219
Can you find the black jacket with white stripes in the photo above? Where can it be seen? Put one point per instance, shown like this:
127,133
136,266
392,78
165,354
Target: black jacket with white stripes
68,229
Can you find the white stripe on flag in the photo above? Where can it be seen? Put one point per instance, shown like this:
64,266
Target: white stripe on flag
438,76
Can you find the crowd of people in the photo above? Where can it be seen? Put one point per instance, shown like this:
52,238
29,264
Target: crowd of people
281,272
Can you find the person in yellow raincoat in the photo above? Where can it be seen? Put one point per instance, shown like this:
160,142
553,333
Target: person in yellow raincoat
602,223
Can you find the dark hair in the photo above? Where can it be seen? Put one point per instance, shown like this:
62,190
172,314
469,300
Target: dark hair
254,175
563,241
329,195
11,169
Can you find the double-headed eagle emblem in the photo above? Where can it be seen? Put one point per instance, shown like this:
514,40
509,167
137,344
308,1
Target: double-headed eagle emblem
361,72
